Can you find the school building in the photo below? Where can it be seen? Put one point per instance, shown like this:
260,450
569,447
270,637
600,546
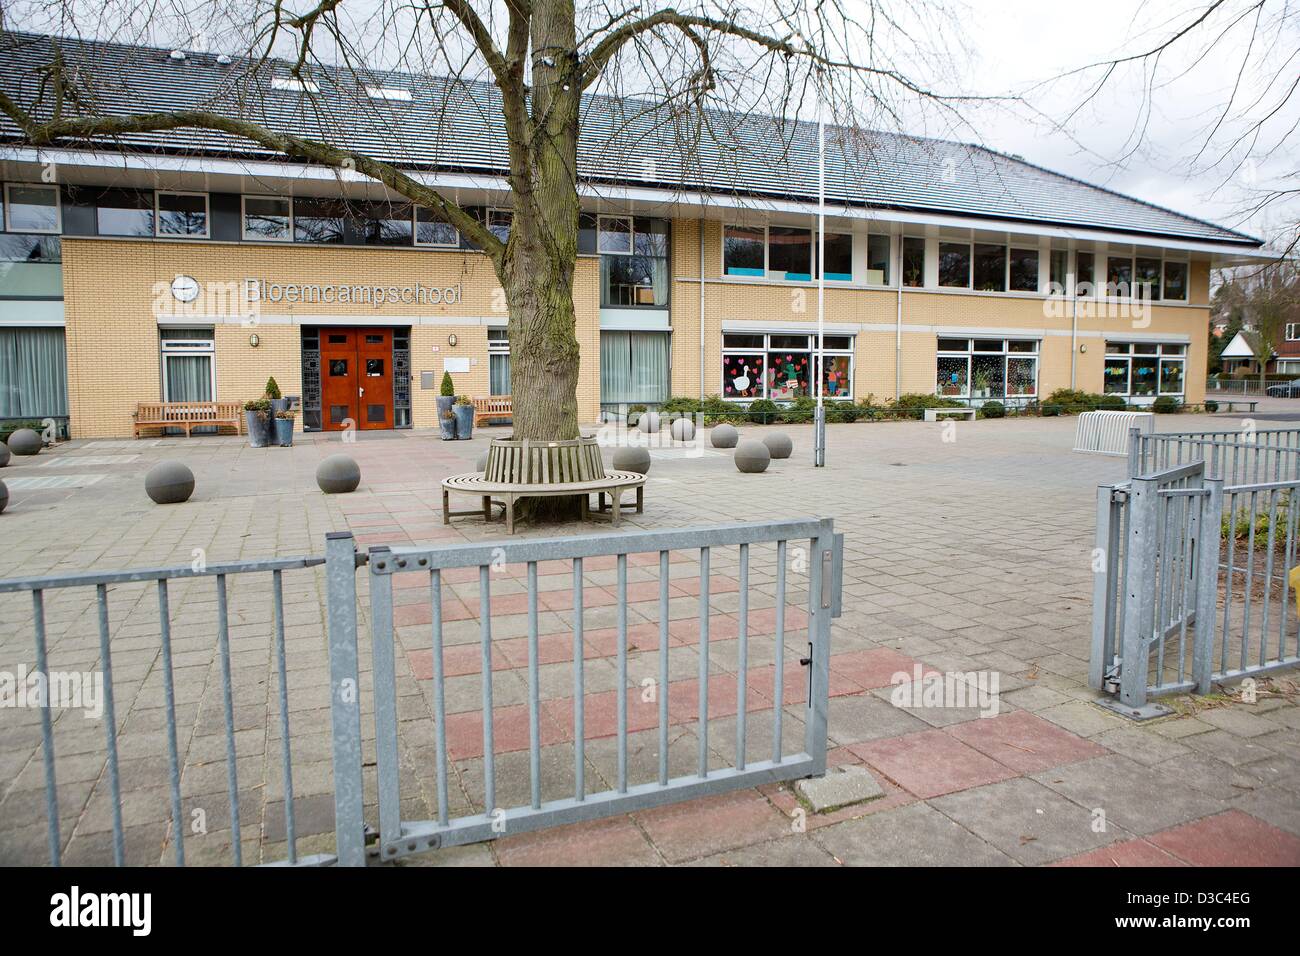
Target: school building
192,266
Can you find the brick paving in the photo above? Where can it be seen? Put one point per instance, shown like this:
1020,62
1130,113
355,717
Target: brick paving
964,556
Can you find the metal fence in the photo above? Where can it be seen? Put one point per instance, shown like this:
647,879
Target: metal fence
1241,456
1193,575
765,545
398,837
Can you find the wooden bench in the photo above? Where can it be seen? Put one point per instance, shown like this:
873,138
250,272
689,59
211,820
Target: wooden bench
932,414
1230,404
188,415
614,484
496,407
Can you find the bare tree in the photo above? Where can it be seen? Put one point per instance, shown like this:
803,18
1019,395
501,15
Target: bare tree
874,63
1269,300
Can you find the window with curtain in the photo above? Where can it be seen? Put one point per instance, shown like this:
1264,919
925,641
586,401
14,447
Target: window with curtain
187,365
633,368
33,373
633,261
498,362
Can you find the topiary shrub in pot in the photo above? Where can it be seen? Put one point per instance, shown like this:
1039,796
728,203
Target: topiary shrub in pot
257,417
463,415
992,410
445,399
272,393
284,428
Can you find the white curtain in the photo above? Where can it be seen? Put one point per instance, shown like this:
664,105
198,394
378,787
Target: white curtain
659,280
633,367
33,373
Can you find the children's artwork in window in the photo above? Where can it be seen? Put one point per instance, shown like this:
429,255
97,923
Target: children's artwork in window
742,376
787,375
836,382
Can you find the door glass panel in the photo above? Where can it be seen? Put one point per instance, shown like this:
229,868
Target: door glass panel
374,367
338,414
374,340
376,413
338,367
338,338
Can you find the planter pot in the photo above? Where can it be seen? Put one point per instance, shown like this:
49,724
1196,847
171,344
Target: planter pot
464,420
444,403
258,429
280,405
284,432
447,426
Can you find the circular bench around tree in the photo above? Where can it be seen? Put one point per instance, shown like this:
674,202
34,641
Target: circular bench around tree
529,469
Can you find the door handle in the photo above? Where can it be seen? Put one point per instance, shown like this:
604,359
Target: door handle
361,391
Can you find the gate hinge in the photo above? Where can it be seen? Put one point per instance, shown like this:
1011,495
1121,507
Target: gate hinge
1110,680
1118,496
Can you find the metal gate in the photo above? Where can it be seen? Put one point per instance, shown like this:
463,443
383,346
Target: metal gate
1193,580
771,548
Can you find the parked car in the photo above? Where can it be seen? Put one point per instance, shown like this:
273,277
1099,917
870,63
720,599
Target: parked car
1289,389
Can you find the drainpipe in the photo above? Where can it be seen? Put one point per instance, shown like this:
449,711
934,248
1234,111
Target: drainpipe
1074,336
898,326
702,340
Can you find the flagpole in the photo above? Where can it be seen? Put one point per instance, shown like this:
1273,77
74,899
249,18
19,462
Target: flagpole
819,422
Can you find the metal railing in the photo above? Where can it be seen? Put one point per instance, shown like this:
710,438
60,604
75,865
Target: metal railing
1241,456
398,837
161,578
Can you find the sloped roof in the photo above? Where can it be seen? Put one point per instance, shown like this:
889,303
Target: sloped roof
453,125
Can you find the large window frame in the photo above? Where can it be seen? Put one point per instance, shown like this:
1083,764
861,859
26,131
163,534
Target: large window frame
750,354
174,348
963,359
158,215
42,187
622,245
1156,356
243,218
1159,282
498,341
962,257
767,272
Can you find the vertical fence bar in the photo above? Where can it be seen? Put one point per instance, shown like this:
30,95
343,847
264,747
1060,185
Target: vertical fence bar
1228,578
1207,586
621,658
663,668
778,706
1139,607
819,646
1268,574
47,734
704,664
228,704
169,700
579,656
345,699
1248,585
384,666
439,695
534,696
281,666
1103,590
110,723
485,657
742,662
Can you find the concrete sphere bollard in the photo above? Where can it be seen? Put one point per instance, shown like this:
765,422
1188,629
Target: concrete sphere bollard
4,496
648,422
338,475
778,444
682,429
752,457
724,436
5,454
632,458
169,483
25,442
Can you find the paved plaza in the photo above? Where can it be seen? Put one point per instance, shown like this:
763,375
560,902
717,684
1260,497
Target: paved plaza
964,555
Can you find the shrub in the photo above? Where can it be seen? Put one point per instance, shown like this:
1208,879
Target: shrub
992,410
272,389
763,410
718,409
463,400
1111,403
799,411
913,404
1211,406
1166,405
448,388
843,412
1070,401
681,405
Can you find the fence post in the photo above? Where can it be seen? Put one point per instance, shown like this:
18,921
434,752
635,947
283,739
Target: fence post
1103,590
1134,451
1139,587
821,606
345,698
1207,582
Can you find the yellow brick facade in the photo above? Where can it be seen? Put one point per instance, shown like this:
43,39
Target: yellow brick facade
114,289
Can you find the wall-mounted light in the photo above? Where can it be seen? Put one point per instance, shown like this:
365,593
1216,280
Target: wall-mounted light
254,341
451,340
1082,348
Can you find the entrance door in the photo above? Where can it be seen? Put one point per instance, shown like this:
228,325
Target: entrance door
357,378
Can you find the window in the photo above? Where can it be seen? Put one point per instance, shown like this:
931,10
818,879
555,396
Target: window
498,362
292,84
430,231
1146,277
1119,276
1058,265
1144,369
789,253
1084,274
381,223
318,220
633,368
990,267
1024,270
985,369
633,262
1293,331
388,93
125,212
839,257
182,214
1175,287
31,267
913,261
36,373
743,251
188,374
782,367
878,260
954,265
32,208
268,218
498,223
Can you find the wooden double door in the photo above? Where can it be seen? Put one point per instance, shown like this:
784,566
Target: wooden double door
356,378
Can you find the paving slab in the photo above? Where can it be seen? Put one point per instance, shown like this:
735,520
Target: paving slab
915,835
